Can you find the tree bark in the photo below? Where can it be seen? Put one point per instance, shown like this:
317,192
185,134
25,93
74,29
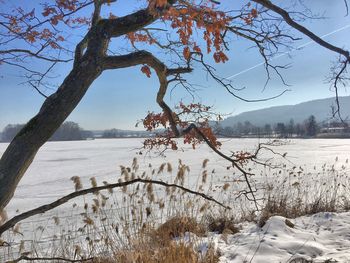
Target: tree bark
23,148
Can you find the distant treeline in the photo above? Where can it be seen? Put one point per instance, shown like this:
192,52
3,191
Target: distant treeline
115,133
68,131
308,128
71,131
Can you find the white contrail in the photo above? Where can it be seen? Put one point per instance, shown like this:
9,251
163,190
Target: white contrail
285,53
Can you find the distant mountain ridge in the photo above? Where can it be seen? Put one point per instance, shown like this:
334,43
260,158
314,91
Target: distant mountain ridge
320,108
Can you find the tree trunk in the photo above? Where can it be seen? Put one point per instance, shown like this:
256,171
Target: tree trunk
23,148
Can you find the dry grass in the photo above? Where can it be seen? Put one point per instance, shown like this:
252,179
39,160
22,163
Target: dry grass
222,225
176,227
301,193
286,207
174,252
147,223
166,244
138,223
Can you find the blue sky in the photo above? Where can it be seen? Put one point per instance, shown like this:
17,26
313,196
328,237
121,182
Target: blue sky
119,98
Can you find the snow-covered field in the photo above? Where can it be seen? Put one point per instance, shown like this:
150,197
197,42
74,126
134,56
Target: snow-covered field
49,175
321,236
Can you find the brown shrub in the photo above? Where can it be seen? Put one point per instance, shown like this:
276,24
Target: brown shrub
176,227
222,225
172,253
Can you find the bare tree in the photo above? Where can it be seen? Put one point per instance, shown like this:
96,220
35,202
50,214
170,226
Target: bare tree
161,26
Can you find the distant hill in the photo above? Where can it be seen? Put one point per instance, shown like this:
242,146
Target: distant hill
321,109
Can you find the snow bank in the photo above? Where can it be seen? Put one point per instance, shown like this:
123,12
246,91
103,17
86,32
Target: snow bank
320,237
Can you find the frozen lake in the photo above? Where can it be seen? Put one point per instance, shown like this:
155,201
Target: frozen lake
48,178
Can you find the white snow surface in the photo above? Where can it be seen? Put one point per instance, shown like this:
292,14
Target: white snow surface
320,237
48,177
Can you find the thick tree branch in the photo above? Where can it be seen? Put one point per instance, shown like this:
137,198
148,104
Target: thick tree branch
130,23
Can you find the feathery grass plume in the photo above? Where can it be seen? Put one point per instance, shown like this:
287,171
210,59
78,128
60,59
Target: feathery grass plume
204,176
161,168
94,208
124,189
203,208
125,171
205,162
126,176
56,220
93,182
77,251
169,168
189,204
96,202
16,229
225,186
134,165
161,204
3,217
150,193
167,191
77,183
180,177
88,221
104,200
